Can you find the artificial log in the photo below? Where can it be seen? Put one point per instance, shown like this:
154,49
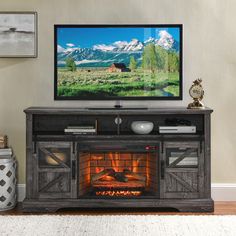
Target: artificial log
101,174
120,176
128,173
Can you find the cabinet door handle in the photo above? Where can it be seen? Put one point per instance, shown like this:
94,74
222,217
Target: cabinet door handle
73,169
34,147
162,169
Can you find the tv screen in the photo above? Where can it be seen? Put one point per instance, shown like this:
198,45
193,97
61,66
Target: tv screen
115,62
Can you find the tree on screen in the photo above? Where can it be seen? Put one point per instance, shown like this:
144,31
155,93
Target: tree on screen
149,58
132,63
70,64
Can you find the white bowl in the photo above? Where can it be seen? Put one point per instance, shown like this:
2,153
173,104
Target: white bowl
142,127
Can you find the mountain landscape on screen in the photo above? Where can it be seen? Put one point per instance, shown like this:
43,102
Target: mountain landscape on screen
118,52
133,65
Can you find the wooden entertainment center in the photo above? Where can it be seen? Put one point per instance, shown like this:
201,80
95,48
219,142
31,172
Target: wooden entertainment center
167,170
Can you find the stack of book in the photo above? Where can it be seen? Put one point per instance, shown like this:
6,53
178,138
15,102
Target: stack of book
80,129
5,153
3,141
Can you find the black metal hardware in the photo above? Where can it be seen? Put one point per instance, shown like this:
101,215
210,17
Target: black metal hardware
162,169
34,146
118,123
162,147
73,169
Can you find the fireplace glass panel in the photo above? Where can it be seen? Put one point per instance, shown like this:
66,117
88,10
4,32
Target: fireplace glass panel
118,174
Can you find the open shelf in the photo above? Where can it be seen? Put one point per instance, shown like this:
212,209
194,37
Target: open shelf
49,125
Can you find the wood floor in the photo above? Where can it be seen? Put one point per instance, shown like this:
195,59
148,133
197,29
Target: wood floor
221,208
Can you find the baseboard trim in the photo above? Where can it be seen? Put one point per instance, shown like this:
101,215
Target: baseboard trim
20,192
223,191
219,192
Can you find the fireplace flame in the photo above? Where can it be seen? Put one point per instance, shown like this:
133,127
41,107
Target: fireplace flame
114,157
135,165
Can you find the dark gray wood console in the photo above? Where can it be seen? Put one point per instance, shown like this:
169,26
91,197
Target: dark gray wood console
116,168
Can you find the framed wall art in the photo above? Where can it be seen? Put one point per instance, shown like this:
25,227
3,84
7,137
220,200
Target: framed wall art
18,34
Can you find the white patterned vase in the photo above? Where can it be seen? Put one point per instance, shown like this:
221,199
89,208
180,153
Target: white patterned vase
7,183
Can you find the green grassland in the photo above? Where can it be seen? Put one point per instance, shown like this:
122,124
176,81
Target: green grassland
99,82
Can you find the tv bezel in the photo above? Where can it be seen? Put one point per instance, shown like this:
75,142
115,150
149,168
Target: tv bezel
74,98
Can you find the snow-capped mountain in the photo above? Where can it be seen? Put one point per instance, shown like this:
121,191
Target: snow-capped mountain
120,51
134,45
97,58
166,40
150,40
60,49
121,46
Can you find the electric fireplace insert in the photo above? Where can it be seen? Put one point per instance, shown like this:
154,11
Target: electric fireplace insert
118,170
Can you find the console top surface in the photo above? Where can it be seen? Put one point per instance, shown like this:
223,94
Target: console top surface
110,110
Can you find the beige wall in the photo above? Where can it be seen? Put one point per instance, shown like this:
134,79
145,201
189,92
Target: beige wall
209,52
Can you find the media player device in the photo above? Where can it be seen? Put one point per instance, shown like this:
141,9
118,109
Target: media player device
177,129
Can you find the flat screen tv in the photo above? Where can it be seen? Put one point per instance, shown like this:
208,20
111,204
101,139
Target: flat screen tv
118,62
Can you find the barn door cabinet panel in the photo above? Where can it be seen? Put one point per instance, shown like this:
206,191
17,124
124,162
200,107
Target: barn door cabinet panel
54,169
183,169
